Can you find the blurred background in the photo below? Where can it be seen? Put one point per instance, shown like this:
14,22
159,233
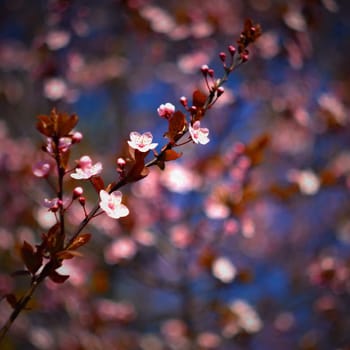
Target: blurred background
240,244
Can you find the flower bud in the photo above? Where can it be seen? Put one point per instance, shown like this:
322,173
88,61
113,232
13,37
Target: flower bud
77,137
232,50
77,192
222,56
82,200
121,162
183,101
204,69
220,91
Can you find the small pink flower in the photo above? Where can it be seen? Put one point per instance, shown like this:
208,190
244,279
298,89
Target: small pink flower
166,110
198,134
143,142
41,169
85,169
111,204
64,144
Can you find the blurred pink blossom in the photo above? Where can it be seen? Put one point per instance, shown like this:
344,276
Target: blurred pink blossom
85,169
143,142
180,236
55,88
109,310
57,39
308,181
224,270
208,340
198,134
111,204
41,169
120,249
177,178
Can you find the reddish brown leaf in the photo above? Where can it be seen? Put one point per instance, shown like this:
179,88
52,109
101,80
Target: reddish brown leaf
67,254
138,169
66,123
45,125
206,258
31,260
199,99
57,278
255,150
177,125
245,275
79,241
52,238
11,299
65,159
170,154
98,183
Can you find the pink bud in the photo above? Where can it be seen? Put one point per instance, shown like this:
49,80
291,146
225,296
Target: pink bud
82,200
204,69
77,137
232,50
211,72
121,162
193,109
183,101
220,91
77,192
41,169
84,162
245,56
222,56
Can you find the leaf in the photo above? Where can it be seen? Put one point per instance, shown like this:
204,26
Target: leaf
45,126
57,278
56,124
138,169
66,123
177,124
198,99
98,183
170,154
31,260
79,241
67,254
12,300
52,238
65,159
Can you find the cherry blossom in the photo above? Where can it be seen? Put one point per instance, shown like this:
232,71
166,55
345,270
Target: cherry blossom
198,134
63,145
143,142
111,204
166,110
224,270
85,169
41,169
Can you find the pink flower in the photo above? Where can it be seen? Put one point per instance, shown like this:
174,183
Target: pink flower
111,204
64,144
41,169
198,134
166,110
143,142
85,169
